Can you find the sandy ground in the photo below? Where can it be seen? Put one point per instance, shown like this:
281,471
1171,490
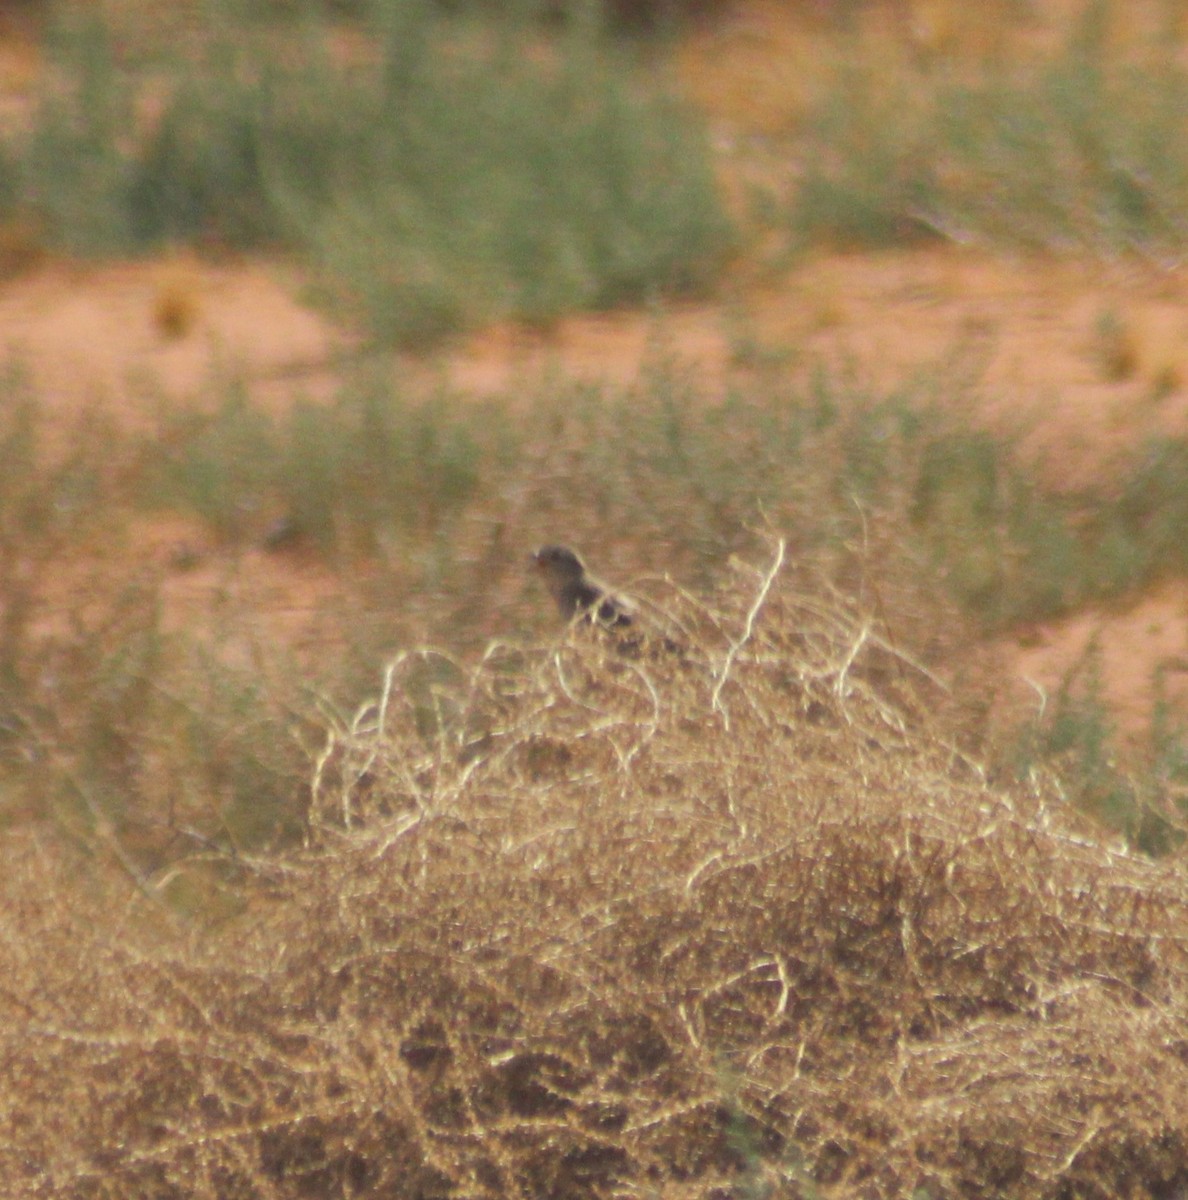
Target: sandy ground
1080,362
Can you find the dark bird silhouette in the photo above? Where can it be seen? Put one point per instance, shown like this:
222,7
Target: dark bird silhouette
577,593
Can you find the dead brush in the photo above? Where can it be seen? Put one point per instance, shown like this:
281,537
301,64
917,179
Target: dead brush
436,723
590,919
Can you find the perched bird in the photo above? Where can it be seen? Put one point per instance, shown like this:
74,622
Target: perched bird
577,593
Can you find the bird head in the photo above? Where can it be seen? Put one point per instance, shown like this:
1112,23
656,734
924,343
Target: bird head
560,562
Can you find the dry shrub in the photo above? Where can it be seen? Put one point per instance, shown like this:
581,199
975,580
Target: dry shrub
715,910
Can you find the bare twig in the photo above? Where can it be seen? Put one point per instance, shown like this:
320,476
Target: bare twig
748,630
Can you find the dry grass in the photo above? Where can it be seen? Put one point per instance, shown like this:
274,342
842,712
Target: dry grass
718,911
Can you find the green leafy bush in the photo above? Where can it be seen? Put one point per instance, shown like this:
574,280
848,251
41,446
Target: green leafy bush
434,173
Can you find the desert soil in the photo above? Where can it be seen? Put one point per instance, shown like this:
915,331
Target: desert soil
1077,400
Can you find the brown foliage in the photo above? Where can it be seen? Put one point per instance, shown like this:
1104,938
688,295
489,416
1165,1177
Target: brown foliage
701,913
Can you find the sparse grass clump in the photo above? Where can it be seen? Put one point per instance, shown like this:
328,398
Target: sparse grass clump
139,742
1081,150
429,170
117,729
348,477
1137,790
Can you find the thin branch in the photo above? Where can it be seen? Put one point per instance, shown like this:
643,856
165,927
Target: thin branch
748,630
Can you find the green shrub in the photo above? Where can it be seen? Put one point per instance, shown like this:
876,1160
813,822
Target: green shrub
1082,151
434,176
1137,791
374,468
346,475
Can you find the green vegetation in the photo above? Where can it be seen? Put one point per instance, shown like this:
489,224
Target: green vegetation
345,476
426,528
432,174
1139,795
1084,150
429,170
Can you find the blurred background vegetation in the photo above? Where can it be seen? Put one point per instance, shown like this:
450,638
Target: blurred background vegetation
434,167
333,866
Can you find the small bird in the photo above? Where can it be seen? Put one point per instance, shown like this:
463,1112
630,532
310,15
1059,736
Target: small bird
577,593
